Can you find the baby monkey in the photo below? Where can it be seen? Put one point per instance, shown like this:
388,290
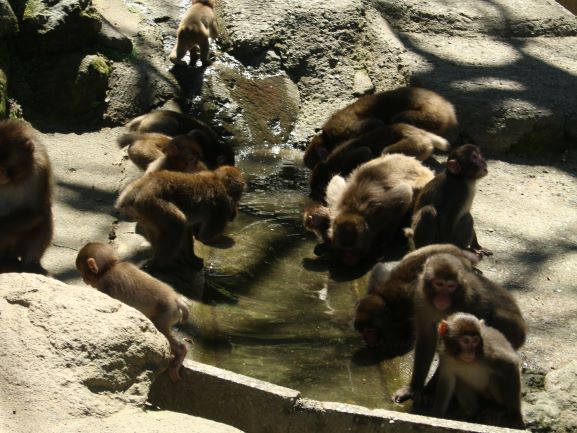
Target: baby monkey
477,360
102,269
197,25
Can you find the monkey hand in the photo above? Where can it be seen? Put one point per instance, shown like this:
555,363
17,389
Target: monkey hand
482,252
403,394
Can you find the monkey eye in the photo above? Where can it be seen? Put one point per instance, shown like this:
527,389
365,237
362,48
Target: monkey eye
450,285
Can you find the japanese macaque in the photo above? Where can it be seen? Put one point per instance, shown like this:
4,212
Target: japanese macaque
419,107
102,269
373,204
443,209
386,312
476,360
197,25
397,138
172,123
183,153
26,224
173,207
446,286
317,219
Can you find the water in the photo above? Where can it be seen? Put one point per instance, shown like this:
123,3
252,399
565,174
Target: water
270,311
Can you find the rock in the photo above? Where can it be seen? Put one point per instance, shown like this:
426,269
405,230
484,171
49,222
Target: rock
72,86
74,359
362,84
8,21
110,37
4,67
554,409
254,110
57,26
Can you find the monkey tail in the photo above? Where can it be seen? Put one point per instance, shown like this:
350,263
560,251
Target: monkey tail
127,139
439,142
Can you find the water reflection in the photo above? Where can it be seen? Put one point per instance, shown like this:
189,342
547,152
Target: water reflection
266,315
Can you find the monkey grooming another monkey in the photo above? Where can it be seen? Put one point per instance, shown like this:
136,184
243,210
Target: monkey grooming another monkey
476,360
197,25
173,207
172,123
396,138
448,285
26,224
387,309
442,211
416,106
102,269
374,202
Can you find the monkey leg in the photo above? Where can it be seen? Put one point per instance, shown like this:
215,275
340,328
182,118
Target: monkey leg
204,50
464,236
188,257
420,149
425,226
178,52
143,152
34,243
164,322
213,226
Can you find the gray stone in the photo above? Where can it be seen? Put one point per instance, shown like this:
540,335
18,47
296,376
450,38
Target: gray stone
8,21
74,359
56,26
111,38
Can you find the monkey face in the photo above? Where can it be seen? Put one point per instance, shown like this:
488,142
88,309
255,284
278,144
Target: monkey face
369,315
468,344
442,290
351,238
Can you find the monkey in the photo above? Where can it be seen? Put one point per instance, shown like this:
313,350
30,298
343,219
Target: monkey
172,123
174,207
396,138
182,153
373,204
476,360
419,107
442,211
387,309
144,147
446,286
195,28
316,219
26,222
101,268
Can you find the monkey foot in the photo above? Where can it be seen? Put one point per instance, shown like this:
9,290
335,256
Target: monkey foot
483,252
321,249
403,394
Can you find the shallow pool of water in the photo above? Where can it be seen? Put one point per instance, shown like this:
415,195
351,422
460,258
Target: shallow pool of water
269,312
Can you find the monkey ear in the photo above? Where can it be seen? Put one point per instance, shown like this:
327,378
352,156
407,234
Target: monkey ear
29,145
443,328
453,166
482,322
91,263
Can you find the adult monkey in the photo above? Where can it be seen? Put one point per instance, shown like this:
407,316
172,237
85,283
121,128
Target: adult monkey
416,106
446,286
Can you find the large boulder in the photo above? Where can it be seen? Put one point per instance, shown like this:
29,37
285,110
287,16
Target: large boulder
8,21
74,359
56,26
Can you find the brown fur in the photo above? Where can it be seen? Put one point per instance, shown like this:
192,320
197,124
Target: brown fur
491,369
26,224
443,209
196,27
102,269
386,312
171,207
397,138
373,204
422,108
216,152
183,153
474,294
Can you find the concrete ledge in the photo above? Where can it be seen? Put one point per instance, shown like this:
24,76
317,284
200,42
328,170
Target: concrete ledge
255,406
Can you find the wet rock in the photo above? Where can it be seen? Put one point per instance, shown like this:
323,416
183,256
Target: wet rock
72,86
554,409
254,109
56,26
8,21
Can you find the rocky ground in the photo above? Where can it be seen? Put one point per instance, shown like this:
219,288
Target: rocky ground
510,68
